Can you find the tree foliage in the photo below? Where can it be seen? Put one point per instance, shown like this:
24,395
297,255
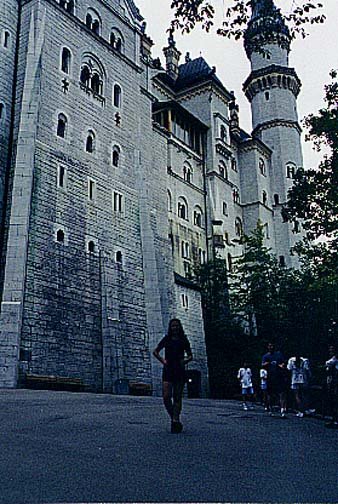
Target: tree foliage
314,195
237,13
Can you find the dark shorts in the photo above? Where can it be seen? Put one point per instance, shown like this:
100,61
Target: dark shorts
173,375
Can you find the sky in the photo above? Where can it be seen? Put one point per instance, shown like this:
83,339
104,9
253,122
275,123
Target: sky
312,58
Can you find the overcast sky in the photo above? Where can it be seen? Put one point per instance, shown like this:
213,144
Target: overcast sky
313,58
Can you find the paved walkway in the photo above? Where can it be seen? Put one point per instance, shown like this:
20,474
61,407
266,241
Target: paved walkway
59,447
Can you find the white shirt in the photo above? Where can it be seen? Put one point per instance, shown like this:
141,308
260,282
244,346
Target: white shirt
245,376
299,374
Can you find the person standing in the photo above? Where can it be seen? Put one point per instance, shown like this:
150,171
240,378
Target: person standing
263,374
275,377
176,346
245,377
331,367
300,379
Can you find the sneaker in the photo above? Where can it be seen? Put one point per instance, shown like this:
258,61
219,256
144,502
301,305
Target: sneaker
245,407
310,411
176,427
283,415
266,408
300,414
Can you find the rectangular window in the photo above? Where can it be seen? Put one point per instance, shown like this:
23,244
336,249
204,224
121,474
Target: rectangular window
62,177
118,202
91,189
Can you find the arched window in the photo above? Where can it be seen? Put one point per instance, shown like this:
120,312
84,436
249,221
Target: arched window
96,84
262,167
223,133
70,6
198,217
91,247
264,197
117,96
62,126
85,75
60,236
65,60
92,76
187,172
276,199
235,195
116,40
234,164
89,20
93,21
225,208
223,170
238,227
116,154
182,208
118,257
291,170
90,142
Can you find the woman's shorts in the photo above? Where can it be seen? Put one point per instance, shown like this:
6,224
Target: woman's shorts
173,375
247,391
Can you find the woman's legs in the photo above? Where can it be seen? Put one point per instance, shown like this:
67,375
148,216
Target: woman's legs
167,392
177,396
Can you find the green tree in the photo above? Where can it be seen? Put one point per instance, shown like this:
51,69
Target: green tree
237,13
314,195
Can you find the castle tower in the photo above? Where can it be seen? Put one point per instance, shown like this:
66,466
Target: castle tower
272,89
8,33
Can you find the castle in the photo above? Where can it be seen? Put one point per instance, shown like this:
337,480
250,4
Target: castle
119,176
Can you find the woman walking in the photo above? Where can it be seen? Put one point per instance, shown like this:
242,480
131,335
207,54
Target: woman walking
175,345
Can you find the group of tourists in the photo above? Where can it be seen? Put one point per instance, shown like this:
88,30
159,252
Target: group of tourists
277,376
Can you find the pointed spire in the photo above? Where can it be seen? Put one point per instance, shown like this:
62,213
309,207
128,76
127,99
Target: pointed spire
172,56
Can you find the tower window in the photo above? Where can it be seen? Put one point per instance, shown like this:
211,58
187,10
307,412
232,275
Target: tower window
85,76
267,95
230,266
225,208
276,199
116,40
234,164
93,22
118,256
182,208
91,189
6,39
96,84
290,171
187,173
60,236
117,96
2,111
61,126
65,60
117,202
62,176
90,142
238,228
223,133
235,195
91,247
116,156
282,261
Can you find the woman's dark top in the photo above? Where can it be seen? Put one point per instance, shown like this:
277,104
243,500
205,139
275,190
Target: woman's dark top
174,355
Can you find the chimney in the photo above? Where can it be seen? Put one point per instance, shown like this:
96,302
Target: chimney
172,56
